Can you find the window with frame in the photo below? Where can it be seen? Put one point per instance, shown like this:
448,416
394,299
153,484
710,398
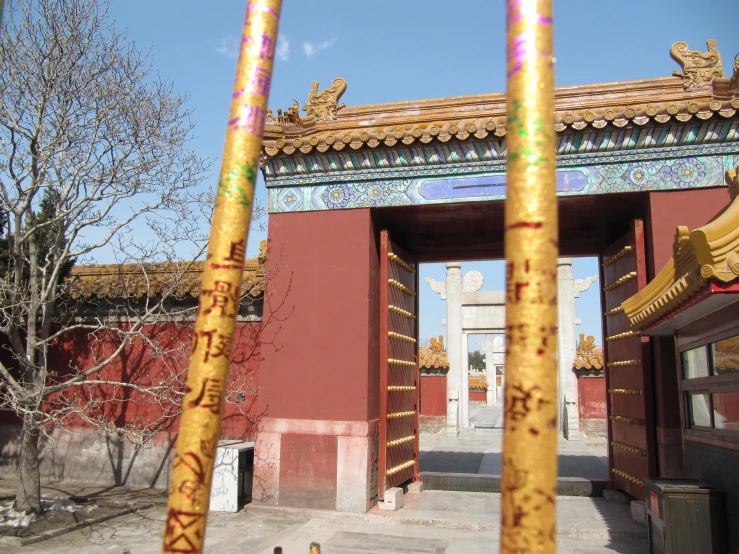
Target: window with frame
710,385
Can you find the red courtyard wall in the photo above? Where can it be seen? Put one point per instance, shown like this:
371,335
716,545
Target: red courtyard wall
137,364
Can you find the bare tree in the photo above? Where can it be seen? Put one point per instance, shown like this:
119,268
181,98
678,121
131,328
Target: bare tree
94,158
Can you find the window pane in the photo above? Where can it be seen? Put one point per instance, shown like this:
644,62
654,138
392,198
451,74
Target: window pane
725,356
698,409
726,410
695,363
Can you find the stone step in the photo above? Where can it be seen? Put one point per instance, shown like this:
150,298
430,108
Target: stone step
474,482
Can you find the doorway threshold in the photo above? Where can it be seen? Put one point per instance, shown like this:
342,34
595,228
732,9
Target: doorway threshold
476,482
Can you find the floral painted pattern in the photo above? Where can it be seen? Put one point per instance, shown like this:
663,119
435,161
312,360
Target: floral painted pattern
628,176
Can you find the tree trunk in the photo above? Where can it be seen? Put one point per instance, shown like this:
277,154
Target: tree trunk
28,496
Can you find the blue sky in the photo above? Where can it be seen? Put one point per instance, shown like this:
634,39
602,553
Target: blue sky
410,49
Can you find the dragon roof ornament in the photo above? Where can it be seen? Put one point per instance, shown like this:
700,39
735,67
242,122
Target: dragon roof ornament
324,105
329,125
698,68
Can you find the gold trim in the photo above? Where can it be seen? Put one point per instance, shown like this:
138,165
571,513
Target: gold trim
400,362
620,281
400,467
708,254
632,392
631,420
624,335
628,477
400,286
628,448
397,388
614,311
398,336
397,259
441,119
623,363
403,440
398,415
617,256
401,311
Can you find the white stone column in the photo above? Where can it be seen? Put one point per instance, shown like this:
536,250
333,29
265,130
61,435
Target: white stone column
465,400
454,346
566,350
490,373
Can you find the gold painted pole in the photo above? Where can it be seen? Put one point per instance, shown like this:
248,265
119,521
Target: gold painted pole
529,481
202,406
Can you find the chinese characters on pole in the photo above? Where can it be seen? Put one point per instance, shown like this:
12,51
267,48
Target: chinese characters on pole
202,406
529,479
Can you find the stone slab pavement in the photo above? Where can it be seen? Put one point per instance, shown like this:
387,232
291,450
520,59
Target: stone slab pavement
475,452
436,522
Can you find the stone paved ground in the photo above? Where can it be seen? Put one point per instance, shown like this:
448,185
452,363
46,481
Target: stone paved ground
433,522
478,450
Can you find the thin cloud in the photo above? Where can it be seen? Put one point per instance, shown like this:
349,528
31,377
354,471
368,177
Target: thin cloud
283,48
310,49
229,47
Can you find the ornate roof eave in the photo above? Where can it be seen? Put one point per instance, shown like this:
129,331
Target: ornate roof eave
133,281
461,118
705,255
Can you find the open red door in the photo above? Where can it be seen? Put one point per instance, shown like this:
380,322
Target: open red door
399,378
631,448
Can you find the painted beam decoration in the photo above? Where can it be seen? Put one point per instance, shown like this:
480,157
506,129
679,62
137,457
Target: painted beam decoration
431,176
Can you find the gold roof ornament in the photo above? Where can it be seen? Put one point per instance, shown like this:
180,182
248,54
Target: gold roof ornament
728,87
709,254
433,356
698,68
589,356
324,105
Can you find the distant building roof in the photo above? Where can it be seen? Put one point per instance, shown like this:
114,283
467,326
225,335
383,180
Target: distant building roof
433,356
154,279
589,356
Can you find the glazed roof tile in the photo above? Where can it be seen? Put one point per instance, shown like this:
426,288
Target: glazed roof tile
709,254
461,118
154,279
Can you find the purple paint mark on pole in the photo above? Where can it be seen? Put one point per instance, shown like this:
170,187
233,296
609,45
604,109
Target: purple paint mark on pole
259,8
259,82
524,45
266,48
516,13
251,120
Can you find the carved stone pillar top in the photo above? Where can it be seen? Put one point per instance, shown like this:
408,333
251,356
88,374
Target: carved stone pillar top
450,265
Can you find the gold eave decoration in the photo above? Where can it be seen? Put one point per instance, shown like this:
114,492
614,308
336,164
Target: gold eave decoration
620,104
707,254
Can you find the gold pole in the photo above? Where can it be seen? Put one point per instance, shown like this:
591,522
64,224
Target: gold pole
529,481
202,406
